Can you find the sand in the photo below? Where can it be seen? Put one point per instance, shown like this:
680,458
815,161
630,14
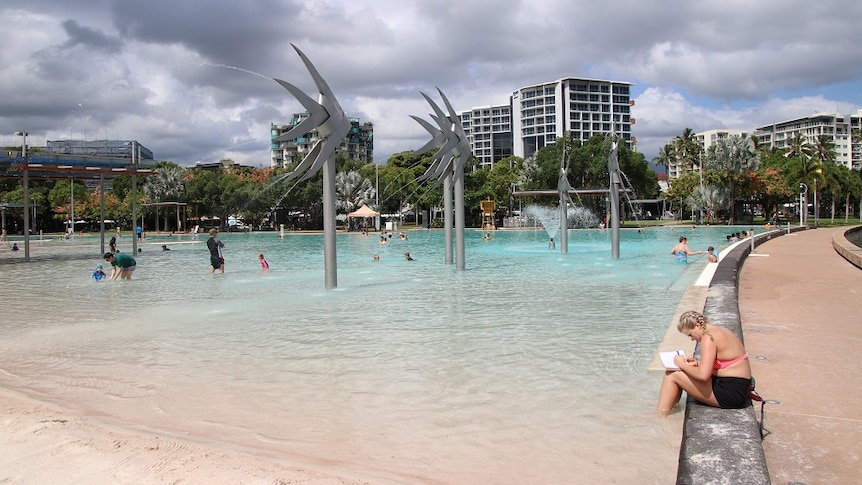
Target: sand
43,444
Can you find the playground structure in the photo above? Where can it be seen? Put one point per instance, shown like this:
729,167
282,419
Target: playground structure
54,166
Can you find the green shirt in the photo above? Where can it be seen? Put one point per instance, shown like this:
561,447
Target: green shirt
123,260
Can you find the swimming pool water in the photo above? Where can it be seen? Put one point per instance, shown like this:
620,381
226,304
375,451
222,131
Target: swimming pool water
529,366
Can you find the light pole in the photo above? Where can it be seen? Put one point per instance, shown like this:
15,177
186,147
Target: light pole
26,194
816,208
377,196
803,207
700,218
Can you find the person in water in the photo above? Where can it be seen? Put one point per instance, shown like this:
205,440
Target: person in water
681,250
122,266
712,254
263,264
722,376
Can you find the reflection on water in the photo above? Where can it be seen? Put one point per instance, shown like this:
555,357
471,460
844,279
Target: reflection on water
527,367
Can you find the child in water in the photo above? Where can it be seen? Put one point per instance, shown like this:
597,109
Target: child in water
98,274
263,264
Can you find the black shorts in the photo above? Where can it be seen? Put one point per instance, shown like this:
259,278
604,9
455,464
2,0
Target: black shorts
731,392
216,262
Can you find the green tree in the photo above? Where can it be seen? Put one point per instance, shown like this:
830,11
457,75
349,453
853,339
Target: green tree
61,199
734,156
665,157
687,150
219,193
502,176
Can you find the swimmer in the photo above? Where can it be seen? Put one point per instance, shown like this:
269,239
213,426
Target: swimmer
165,247
263,264
682,251
407,256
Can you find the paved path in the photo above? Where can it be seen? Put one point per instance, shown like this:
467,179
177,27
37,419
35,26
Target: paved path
801,310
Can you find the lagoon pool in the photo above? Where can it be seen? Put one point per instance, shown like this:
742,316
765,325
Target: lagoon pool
529,366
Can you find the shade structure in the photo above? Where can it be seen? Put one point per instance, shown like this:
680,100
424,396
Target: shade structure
363,211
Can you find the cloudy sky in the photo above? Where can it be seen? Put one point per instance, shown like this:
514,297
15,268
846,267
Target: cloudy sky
190,79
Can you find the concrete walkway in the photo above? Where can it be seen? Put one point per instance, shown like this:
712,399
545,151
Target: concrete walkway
800,304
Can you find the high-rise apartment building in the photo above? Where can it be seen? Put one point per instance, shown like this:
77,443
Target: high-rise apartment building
489,131
542,113
358,143
839,128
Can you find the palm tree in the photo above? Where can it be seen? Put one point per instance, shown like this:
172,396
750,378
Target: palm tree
709,197
798,147
664,158
166,185
733,155
824,149
687,150
351,191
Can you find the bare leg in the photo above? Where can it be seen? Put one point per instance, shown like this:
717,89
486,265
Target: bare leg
668,395
676,382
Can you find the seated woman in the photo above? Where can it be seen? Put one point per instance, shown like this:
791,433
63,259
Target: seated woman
722,377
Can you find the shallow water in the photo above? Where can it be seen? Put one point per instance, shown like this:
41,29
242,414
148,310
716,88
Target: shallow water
527,367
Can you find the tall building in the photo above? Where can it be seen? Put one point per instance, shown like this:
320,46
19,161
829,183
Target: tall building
489,131
358,143
541,113
838,128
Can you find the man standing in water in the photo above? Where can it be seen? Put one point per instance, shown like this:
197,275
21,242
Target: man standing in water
216,258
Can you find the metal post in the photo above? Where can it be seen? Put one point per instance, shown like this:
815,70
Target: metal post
101,213
72,206
803,203
459,221
329,233
134,198
26,194
447,216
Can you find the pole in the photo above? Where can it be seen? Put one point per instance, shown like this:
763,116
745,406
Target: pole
134,198
816,215
329,257
447,216
26,194
101,213
377,196
459,221
72,205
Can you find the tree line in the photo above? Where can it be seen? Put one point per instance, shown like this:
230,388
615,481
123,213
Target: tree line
733,174
736,174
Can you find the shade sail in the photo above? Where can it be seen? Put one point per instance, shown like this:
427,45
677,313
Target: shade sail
363,211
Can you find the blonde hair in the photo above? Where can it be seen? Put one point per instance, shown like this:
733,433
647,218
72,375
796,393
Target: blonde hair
689,319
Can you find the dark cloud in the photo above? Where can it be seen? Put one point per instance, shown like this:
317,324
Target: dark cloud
87,37
191,80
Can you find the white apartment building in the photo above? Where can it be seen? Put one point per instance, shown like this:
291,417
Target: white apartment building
840,128
358,143
489,131
541,113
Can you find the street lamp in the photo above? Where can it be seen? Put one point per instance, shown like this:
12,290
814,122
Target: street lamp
816,208
26,194
803,207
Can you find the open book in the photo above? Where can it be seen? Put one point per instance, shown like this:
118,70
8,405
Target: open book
667,359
